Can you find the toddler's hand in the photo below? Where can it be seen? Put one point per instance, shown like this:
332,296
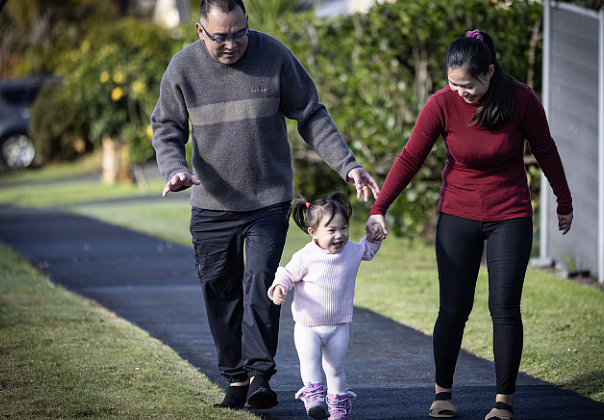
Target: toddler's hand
376,234
279,294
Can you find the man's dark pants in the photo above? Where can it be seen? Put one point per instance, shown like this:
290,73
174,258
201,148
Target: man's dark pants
243,320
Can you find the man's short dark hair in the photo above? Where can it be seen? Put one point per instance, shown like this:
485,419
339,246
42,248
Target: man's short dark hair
222,5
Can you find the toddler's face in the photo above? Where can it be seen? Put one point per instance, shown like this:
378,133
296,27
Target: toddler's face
333,236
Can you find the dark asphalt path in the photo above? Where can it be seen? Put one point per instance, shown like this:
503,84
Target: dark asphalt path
153,284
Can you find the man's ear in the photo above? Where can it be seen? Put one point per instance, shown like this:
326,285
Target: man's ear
199,29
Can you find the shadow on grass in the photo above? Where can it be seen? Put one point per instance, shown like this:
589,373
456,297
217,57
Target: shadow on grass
589,384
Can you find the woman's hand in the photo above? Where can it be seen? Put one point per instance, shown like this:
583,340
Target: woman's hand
564,222
377,234
376,228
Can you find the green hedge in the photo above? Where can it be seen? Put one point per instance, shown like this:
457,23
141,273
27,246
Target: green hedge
375,71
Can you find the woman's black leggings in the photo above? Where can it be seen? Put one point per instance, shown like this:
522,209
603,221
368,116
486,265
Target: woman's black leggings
459,249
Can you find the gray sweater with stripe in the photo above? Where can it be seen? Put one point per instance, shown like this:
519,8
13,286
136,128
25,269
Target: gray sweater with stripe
241,151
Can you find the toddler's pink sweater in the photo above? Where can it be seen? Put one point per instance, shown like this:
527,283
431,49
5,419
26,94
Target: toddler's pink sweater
324,282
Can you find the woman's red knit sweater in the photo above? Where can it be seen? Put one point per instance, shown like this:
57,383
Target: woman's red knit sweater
484,177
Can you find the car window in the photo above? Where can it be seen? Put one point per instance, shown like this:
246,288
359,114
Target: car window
19,97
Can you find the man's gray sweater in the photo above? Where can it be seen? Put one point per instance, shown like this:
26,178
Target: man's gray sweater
241,151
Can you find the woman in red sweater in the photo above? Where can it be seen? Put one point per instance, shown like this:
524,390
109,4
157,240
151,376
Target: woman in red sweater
484,116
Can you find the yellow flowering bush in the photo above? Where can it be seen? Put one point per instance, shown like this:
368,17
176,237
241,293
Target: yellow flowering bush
113,80
116,94
118,77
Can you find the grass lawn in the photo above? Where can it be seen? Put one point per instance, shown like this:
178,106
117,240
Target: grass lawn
89,164
563,320
35,187
66,357
68,193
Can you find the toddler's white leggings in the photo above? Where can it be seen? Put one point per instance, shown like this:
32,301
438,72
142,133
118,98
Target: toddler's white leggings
332,342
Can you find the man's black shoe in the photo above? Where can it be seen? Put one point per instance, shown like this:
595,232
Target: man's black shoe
260,395
234,397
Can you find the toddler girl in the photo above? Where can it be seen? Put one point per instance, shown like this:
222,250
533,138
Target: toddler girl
324,273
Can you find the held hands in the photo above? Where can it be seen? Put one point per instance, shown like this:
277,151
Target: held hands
564,222
376,228
279,294
363,183
180,180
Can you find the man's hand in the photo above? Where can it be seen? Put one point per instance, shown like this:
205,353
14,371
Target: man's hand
363,183
564,222
279,294
181,179
376,228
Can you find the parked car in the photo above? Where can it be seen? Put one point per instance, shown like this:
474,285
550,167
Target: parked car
17,149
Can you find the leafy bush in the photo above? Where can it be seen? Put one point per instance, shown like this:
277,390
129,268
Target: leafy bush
56,127
113,79
140,139
375,72
35,33
589,4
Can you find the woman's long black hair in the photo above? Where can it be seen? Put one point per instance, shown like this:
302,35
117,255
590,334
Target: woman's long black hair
307,214
474,56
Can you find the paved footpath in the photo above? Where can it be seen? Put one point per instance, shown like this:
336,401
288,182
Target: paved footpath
153,284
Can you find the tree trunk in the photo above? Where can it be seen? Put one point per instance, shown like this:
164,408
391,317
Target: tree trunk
116,161
140,178
535,36
110,161
423,81
124,174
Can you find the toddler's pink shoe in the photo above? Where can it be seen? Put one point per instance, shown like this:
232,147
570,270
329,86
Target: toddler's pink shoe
313,396
339,405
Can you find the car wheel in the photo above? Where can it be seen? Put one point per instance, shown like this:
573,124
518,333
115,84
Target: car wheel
18,151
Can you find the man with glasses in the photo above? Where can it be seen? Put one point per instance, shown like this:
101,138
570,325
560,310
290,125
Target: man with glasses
237,86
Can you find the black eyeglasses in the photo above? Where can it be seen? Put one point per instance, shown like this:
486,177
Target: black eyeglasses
225,39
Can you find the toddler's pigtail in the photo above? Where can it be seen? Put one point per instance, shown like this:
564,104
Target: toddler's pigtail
342,199
299,212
